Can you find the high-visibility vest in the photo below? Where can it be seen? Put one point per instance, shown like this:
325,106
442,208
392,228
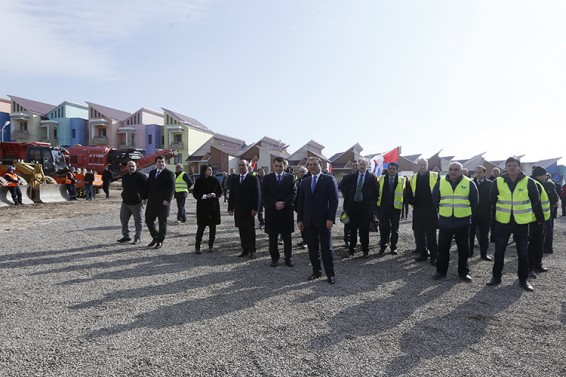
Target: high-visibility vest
544,201
180,184
13,176
516,202
399,189
433,178
69,178
455,202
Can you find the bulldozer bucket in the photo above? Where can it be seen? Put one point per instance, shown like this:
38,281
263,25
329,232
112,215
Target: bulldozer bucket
4,197
48,193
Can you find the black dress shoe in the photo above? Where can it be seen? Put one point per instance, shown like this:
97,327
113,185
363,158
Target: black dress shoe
289,262
541,269
466,278
158,245
366,255
314,276
136,241
124,239
252,255
421,258
152,243
526,286
493,282
394,251
332,279
532,275
382,249
197,251
210,249
487,258
273,264
242,254
438,276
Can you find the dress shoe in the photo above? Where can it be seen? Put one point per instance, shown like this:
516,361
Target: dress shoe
487,258
549,251
526,286
314,276
438,276
382,249
289,262
210,249
471,253
541,269
366,255
532,275
136,241
421,258
273,263
394,251
158,245
242,254
466,278
152,243
124,239
197,251
433,261
493,282
252,255
331,279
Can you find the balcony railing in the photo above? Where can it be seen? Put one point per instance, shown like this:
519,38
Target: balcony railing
178,145
98,122
50,140
49,123
20,134
100,140
19,116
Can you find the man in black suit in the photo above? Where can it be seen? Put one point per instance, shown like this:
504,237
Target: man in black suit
342,187
243,204
390,202
317,205
481,219
361,192
159,193
278,195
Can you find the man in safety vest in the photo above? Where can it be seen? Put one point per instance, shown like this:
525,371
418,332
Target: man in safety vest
14,186
425,214
537,232
456,197
182,185
389,204
515,198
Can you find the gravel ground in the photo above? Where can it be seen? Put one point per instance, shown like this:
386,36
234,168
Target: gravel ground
74,302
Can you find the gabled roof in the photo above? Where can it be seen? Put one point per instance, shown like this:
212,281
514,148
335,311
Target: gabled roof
73,104
36,107
356,148
236,152
412,157
229,139
188,121
110,112
547,163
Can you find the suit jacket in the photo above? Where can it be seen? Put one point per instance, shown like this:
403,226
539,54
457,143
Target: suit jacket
282,221
483,209
160,189
314,208
244,197
370,192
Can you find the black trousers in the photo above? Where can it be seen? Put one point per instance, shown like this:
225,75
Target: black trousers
425,240
319,241
16,194
161,214
389,228
359,220
247,238
520,235
535,248
274,247
480,226
445,237
106,189
181,198
200,233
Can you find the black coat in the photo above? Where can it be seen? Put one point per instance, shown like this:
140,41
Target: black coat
484,209
244,197
425,214
370,192
315,208
158,190
279,221
208,210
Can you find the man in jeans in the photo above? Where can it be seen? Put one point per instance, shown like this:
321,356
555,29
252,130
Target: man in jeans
133,186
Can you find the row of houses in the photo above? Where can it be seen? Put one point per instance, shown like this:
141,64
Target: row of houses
68,124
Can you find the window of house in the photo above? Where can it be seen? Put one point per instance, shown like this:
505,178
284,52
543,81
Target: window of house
74,133
177,138
55,133
24,126
102,132
150,139
178,159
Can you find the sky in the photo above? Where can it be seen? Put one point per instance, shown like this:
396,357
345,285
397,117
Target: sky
462,77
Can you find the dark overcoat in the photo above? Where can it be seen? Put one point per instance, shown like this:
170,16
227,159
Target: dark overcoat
208,210
244,197
279,221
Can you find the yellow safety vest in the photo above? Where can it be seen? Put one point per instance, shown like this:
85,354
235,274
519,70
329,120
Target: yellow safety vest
180,184
455,202
544,201
399,189
433,178
516,202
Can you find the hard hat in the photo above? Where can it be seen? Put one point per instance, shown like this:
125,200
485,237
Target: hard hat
344,218
10,167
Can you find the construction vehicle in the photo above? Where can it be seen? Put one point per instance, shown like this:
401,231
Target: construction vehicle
35,185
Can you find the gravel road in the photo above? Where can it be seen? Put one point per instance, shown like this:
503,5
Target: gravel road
75,302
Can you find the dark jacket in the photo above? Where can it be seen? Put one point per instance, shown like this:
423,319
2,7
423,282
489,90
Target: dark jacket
159,190
454,222
315,208
133,187
279,221
244,197
89,178
484,209
370,192
532,188
208,210
425,214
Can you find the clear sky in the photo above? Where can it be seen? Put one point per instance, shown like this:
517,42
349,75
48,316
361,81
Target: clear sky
463,76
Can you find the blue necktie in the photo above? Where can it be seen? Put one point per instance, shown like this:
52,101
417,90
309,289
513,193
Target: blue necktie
278,178
313,184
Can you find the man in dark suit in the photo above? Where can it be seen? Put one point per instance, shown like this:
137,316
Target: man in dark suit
342,187
278,194
159,193
481,219
317,205
361,192
243,203
390,202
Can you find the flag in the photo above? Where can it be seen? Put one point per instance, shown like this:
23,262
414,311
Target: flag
381,161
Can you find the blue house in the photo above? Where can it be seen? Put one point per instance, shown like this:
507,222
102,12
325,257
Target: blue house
67,124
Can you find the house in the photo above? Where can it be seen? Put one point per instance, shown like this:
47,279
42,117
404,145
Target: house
310,149
220,151
25,117
5,110
103,125
143,130
67,125
342,161
262,152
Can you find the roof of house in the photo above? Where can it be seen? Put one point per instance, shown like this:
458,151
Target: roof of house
110,112
188,121
37,107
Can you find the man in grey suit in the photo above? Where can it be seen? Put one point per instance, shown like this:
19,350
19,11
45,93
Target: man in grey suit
159,193
317,205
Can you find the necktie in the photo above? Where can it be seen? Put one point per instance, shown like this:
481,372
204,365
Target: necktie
278,178
157,174
358,196
242,178
313,183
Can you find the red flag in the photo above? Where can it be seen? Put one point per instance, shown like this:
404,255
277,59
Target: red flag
391,156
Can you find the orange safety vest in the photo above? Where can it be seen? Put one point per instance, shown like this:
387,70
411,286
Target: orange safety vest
13,176
69,178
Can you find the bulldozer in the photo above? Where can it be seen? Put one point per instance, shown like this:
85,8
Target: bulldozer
35,185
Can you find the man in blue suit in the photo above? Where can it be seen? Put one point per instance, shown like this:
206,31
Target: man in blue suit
316,213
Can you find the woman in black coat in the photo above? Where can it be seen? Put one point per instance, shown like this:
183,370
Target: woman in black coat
207,191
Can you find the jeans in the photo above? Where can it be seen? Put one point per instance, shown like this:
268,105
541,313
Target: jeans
89,191
181,198
127,211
